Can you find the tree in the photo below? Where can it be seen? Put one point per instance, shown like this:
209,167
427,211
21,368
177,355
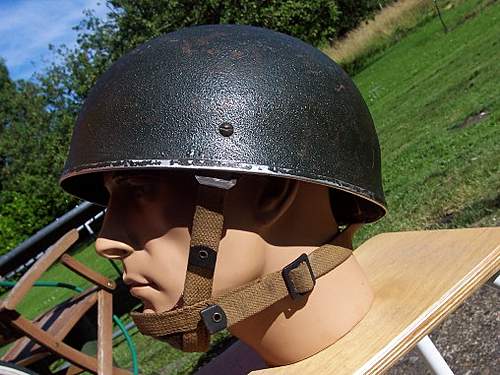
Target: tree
36,118
32,149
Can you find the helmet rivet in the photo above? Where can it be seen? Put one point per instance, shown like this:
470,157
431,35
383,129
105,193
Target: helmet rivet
203,254
216,317
226,129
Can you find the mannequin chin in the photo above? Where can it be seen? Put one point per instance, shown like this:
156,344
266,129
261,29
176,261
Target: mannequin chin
269,222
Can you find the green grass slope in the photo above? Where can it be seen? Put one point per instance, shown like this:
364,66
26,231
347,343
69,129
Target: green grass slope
435,100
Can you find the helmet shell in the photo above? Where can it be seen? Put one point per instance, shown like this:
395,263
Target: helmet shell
230,98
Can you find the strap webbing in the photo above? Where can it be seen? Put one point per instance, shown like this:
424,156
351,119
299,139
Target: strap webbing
205,237
247,300
206,233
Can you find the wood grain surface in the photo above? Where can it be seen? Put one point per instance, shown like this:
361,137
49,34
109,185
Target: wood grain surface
87,273
56,322
419,278
25,283
104,332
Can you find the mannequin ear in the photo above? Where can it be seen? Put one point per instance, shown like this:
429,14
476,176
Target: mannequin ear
276,197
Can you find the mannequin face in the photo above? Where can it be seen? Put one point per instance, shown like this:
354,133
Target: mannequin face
268,222
149,217
147,226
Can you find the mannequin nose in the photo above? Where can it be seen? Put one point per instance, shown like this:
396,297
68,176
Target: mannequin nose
112,249
113,241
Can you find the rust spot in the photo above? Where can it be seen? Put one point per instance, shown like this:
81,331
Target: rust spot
206,39
202,41
186,48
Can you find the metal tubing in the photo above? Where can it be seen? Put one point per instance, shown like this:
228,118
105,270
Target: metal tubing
440,18
432,358
497,282
89,229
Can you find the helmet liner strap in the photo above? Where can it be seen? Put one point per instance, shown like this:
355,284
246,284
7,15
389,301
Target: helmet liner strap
206,233
190,326
246,300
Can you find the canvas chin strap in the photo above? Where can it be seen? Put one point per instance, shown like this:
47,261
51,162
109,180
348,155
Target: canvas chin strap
189,327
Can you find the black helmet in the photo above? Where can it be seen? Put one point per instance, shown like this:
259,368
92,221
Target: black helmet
230,98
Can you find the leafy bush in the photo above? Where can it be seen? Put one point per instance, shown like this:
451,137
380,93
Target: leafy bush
32,152
351,13
313,21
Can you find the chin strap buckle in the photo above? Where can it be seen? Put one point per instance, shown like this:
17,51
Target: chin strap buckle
293,275
215,313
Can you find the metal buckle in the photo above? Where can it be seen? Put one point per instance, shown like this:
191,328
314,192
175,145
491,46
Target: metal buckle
294,293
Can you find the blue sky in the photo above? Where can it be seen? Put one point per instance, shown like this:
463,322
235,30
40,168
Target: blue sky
27,27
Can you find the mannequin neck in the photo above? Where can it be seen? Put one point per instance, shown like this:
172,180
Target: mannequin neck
269,222
290,330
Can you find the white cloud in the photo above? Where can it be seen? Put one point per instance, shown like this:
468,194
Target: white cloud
28,27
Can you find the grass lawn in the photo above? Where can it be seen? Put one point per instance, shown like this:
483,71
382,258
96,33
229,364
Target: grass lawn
40,299
435,99
440,167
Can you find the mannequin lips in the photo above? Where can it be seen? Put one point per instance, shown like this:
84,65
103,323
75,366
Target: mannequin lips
140,291
135,284
143,290
137,288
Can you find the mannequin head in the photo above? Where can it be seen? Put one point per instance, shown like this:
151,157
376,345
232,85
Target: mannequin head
268,223
147,226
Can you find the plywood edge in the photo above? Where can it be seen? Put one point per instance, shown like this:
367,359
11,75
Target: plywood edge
375,240
434,315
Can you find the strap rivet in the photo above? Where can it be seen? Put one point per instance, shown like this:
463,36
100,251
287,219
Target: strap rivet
216,317
226,129
203,257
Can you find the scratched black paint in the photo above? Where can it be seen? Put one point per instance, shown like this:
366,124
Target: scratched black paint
296,112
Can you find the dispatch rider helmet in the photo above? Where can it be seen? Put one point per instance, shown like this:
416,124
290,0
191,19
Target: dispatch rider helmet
235,100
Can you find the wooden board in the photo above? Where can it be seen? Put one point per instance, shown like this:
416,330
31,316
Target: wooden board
57,322
418,278
104,332
25,283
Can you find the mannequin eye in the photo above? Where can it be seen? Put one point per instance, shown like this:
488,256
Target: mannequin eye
139,186
139,190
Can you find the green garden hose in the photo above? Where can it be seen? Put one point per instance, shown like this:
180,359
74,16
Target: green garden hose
130,344
58,284
117,320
